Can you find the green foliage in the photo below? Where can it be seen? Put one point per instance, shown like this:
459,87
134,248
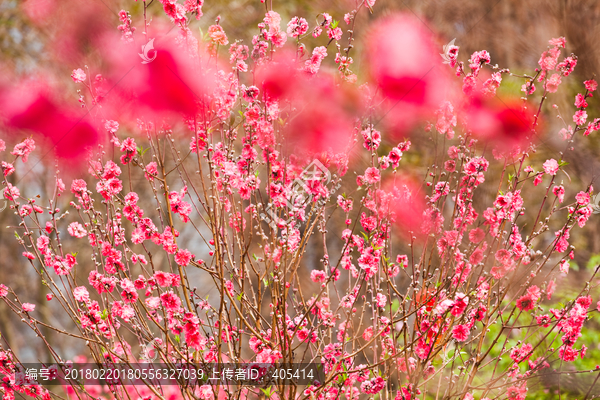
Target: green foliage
593,262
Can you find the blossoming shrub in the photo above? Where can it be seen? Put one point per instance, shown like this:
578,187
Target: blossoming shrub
419,282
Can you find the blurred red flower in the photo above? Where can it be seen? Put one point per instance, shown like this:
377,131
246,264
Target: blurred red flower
30,107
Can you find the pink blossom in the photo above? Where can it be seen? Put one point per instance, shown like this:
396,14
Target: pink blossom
373,386
81,294
453,152
559,192
460,304
583,198
450,165
580,101
580,117
312,65
217,35
183,257
559,42
478,59
564,267
528,88
476,235
372,175
129,294
78,75
551,166
591,85
345,204
153,302
3,290
446,119
526,303
552,83
318,276
7,168
567,66
163,279
334,34
381,300
229,287
23,149
402,260
548,60
77,230
111,126
205,392
170,301
28,307
151,171
297,27
460,333
368,333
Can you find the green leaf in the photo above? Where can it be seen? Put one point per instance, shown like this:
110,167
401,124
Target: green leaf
573,265
266,282
334,24
395,305
141,151
593,262
177,339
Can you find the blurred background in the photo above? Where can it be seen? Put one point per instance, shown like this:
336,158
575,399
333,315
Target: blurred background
35,39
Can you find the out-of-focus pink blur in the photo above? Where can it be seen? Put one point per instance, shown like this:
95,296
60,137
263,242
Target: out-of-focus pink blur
404,63
31,107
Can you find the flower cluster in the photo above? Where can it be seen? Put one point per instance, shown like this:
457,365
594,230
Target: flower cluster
277,185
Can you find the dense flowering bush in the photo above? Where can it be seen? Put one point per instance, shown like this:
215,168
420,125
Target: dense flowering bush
280,182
